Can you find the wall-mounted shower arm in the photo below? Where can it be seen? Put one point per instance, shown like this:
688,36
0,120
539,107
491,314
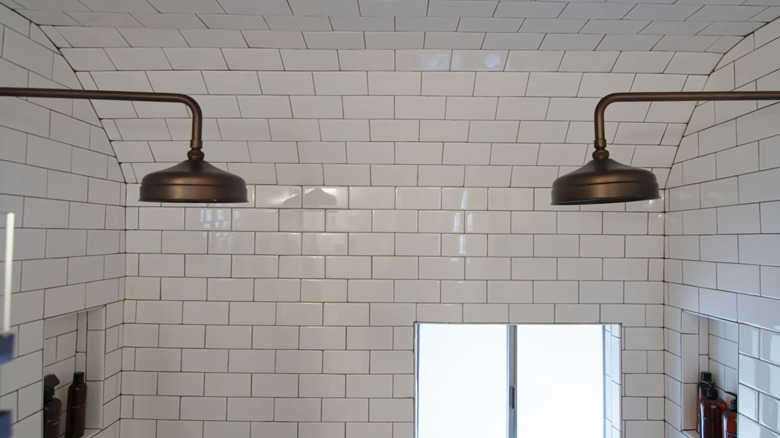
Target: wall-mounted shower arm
196,141
193,180
667,96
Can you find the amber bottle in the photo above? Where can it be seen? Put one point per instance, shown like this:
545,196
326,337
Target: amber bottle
52,407
706,378
729,423
710,414
77,407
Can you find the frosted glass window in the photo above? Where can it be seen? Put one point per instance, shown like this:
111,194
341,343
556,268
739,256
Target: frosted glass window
462,381
560,381
516,381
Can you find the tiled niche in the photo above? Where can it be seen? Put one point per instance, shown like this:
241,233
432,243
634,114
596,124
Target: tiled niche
705,344
81,341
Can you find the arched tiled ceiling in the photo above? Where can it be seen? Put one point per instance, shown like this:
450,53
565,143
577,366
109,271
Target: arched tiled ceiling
666,25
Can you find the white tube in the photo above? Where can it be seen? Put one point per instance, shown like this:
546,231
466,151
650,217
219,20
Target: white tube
9,269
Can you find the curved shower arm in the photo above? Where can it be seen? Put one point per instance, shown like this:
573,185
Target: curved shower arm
600,142
196,142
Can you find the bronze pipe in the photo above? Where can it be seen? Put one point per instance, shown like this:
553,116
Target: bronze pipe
667,96
193,180
196,142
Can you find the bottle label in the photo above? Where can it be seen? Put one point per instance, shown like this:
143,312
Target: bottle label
78,406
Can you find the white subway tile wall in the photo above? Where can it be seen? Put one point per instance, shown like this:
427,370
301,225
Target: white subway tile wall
399,172
719,232
62,180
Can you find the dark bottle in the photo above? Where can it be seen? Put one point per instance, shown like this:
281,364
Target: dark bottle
729,417
710,412
77,406
52,407
703,381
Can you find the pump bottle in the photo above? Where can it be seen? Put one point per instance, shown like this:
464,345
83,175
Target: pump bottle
77,407
729,420
52,407
705,378
710,414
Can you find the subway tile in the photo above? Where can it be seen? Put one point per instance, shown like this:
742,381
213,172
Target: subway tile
425,60
373,152
768,151
277,39
213,38
368,107
443,130
286,83
325,338
478,60
308,60
394,83
450,268
453,40
340,83
252,59
448,83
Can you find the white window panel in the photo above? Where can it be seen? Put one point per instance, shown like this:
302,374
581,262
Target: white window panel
462,374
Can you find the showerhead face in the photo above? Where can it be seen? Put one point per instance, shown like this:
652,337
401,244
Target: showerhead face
603,182
193,181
